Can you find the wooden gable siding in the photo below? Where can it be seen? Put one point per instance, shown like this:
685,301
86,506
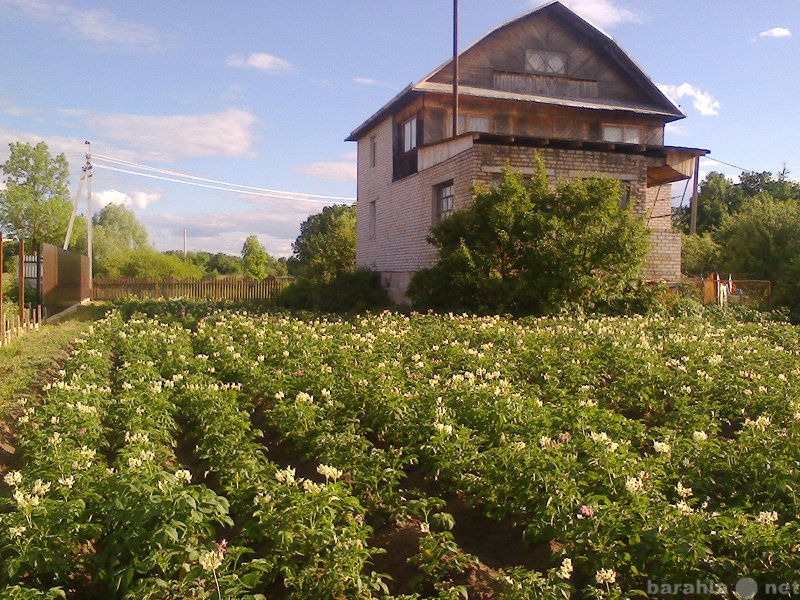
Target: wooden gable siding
498,62
527,120
545,85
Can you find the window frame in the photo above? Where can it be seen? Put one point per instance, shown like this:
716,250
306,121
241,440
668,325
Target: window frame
409,134
624,133
464,120
546,56
439,212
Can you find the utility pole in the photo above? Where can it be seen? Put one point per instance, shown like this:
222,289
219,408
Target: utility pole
455,68
184,243
86,176
693,213
84,172
91,212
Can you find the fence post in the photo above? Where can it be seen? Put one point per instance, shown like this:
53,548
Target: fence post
21,263
2,316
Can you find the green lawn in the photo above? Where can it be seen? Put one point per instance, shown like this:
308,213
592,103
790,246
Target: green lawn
28,362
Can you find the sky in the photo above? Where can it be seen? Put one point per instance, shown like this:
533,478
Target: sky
254,98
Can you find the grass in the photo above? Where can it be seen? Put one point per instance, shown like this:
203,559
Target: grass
29,361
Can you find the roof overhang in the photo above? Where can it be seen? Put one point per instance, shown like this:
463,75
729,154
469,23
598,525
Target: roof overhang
386,110
667,164
446,89
679,164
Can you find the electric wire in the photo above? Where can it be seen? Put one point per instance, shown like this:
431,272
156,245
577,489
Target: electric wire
216,187
176,177
727,164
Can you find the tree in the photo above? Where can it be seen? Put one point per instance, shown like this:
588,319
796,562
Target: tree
224,264
762,241
718,196
523,248
254,258
326,246
116,234
257,263
700,254
149,262
35,205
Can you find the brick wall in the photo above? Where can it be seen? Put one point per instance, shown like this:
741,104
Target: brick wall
664,262
394,243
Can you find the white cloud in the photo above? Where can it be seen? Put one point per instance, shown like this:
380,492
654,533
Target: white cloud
167,138
365,81
775,32
337,171
97,25
702,101
675,129
261,61
139,199
12,110
73,148
601,12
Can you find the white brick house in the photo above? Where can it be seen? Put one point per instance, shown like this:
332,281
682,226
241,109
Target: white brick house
546,83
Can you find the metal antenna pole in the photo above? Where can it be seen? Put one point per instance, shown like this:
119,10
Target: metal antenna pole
455,68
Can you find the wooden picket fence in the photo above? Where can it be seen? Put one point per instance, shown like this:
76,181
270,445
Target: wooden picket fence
224,288
12,326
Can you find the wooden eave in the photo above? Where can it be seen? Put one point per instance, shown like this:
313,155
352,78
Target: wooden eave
388,109
679,165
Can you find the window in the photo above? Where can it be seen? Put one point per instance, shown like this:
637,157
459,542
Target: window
372,217
466,122
410,135
622,134
444,201
548,63
373,151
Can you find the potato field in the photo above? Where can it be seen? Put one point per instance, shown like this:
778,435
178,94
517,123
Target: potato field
187,451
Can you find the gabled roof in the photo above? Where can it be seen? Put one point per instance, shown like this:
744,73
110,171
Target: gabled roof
657,103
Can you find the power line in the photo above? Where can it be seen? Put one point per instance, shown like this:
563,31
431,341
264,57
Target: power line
727,164
217,187
185,179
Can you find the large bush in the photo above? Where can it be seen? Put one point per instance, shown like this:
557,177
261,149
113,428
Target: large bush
524,248
348,292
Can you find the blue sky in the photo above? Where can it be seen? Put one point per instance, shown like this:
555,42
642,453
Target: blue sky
263,93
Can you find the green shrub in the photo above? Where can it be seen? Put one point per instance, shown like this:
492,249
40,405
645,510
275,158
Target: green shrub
523,248
356,291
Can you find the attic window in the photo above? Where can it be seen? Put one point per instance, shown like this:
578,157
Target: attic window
548,63
622,134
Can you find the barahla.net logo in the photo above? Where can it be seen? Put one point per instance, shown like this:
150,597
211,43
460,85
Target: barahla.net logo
746,587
